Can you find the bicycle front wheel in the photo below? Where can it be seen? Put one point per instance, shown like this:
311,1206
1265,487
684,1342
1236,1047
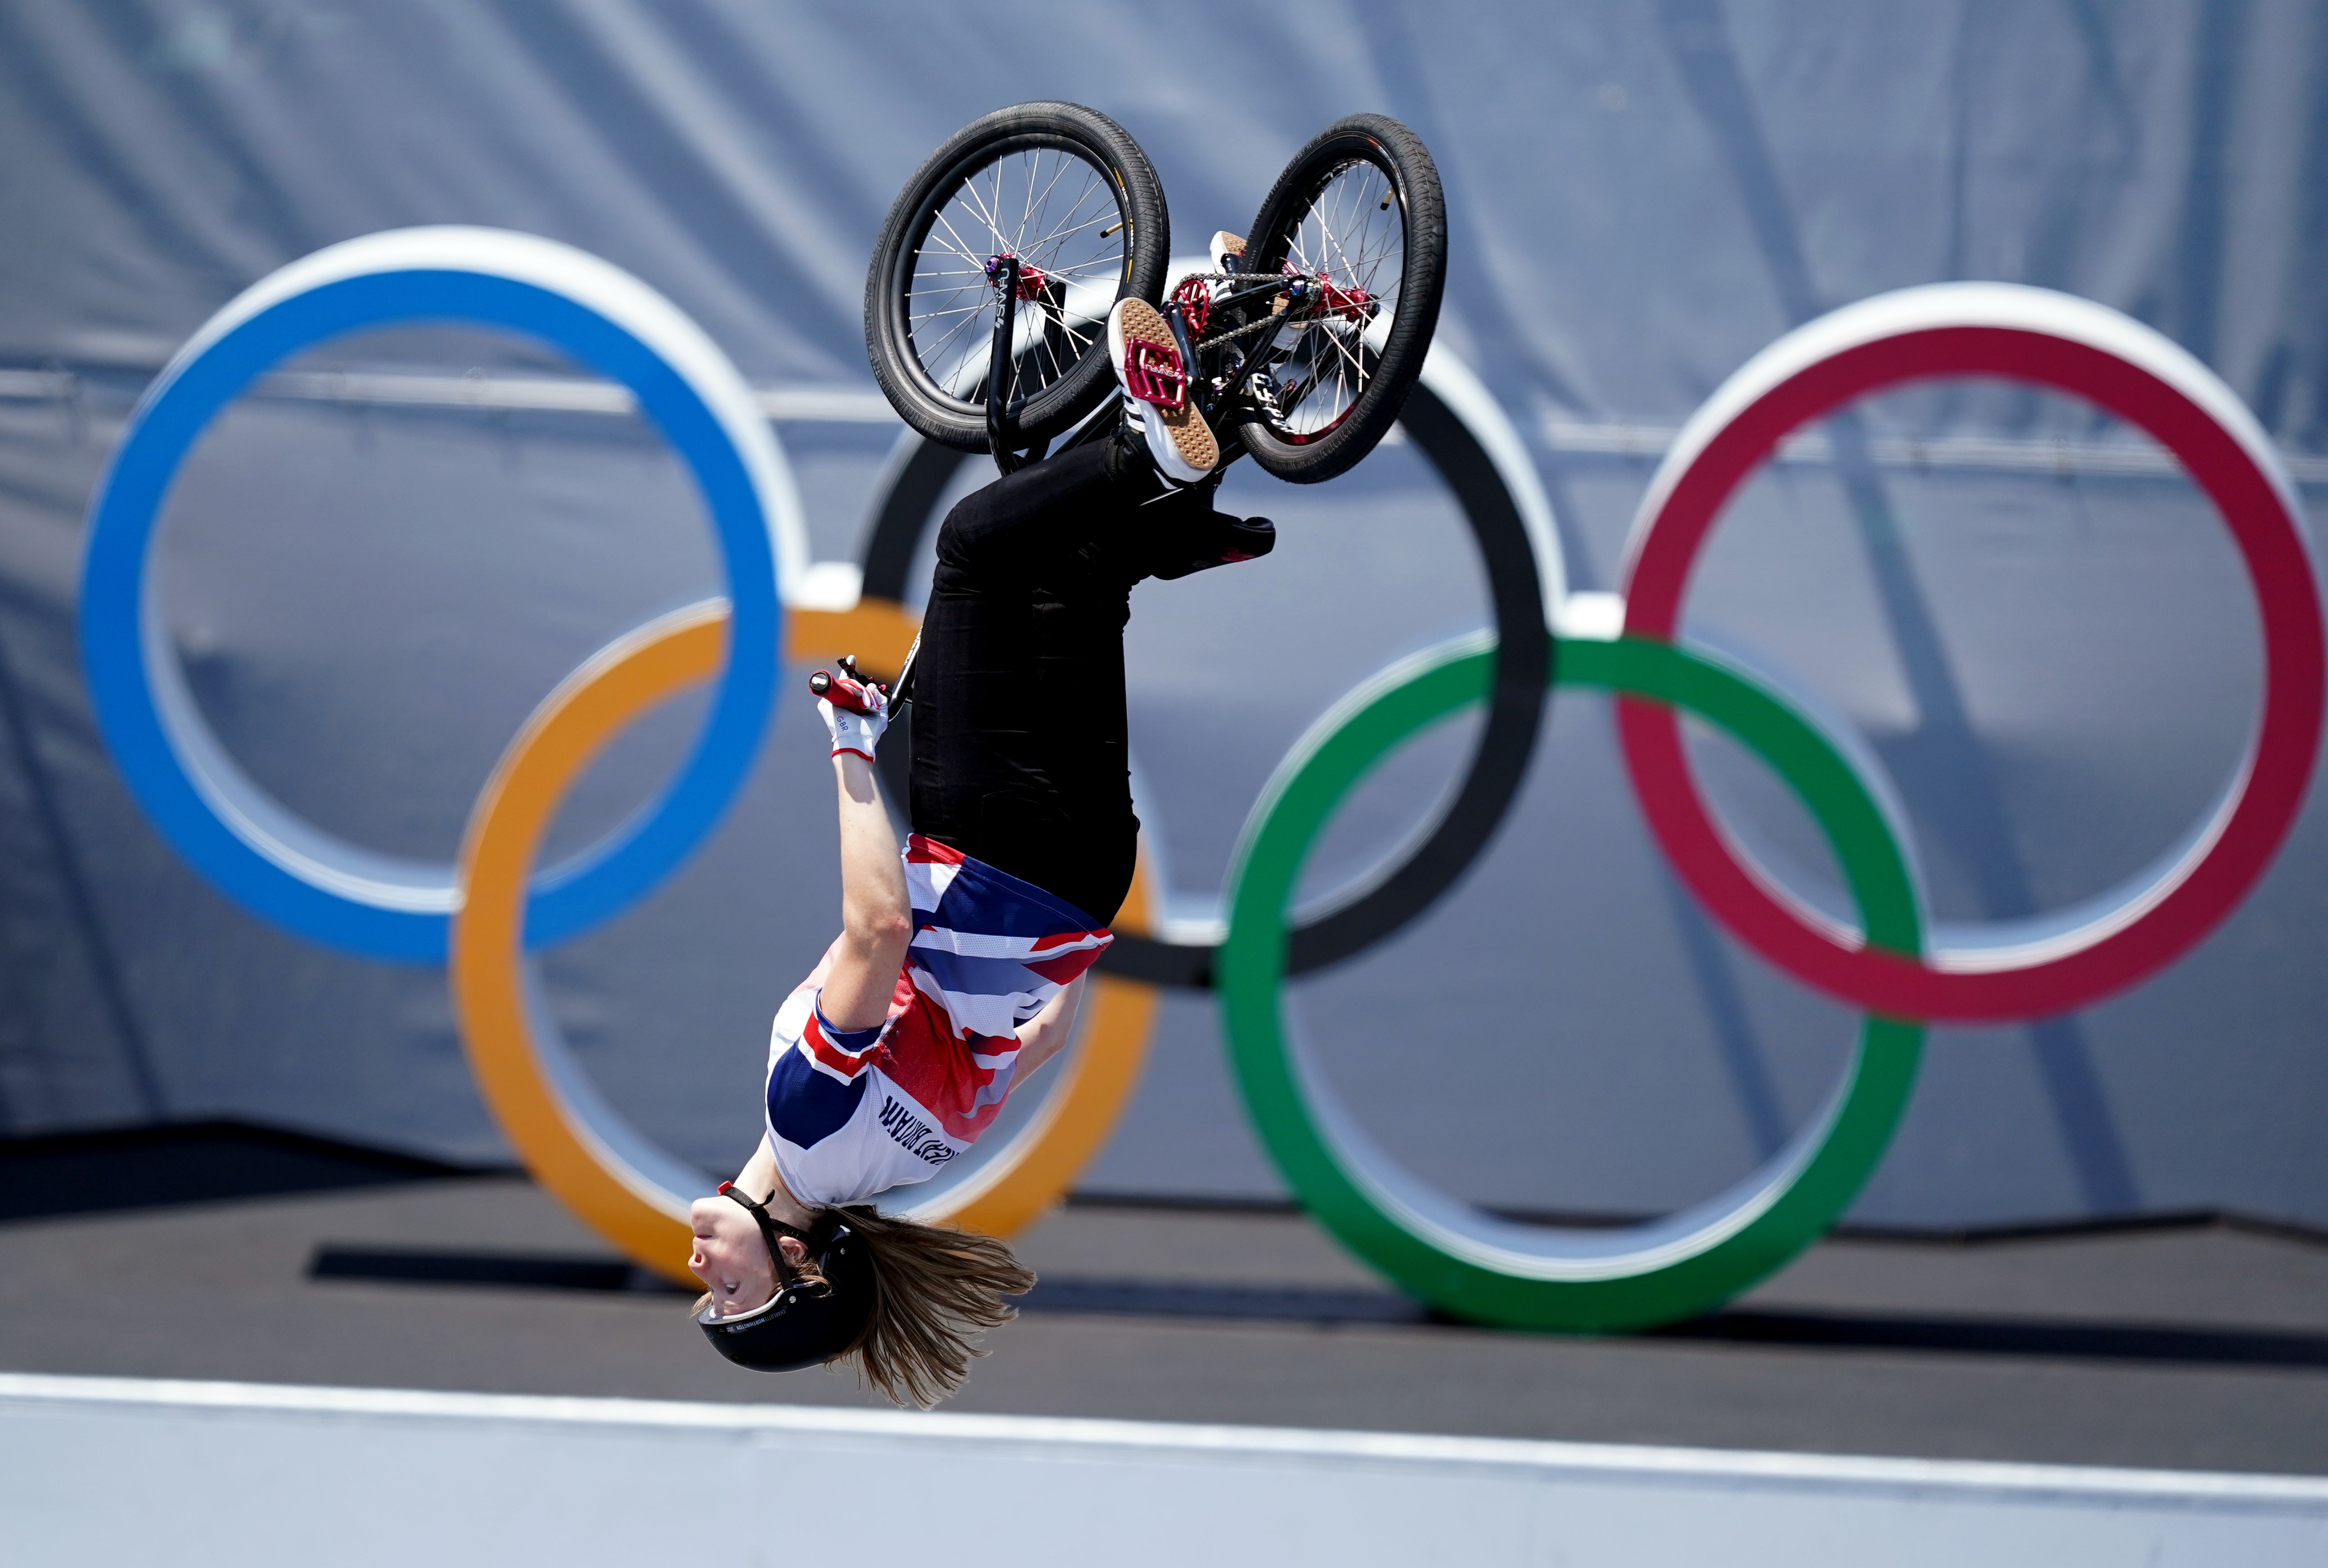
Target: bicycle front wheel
1359,217
1068,193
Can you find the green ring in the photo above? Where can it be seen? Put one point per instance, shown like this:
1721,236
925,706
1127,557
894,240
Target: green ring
1461,1260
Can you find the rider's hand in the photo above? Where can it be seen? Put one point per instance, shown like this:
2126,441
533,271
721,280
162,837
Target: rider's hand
851,728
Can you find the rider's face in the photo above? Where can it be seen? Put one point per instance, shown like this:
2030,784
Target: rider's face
730,1257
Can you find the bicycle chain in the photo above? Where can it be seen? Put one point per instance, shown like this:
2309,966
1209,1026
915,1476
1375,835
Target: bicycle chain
1276,318
1236,333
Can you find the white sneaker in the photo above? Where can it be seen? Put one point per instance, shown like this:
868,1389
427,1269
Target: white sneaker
1225,245
1155,381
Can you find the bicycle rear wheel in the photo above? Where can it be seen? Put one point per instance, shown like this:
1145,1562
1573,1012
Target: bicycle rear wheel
1359,211
1067,191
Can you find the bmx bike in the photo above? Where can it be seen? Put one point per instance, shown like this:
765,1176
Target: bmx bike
986,302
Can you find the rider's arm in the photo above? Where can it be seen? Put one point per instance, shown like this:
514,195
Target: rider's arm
1041,1036
876,921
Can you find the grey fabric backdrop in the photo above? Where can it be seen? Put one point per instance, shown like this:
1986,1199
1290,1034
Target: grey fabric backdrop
2059,663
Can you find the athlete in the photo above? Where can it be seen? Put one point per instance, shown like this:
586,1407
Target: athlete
961,963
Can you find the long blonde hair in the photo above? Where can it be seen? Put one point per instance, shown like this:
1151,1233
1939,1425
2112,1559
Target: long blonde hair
934,1290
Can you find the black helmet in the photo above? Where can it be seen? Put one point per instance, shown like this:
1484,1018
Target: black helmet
808,1321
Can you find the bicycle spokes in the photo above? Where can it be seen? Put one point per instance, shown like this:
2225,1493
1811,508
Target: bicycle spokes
1059,217
1350,247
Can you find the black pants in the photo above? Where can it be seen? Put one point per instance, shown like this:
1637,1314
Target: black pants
1018,754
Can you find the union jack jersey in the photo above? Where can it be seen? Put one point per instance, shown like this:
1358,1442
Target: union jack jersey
854,1113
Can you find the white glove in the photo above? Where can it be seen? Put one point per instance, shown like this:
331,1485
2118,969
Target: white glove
852,730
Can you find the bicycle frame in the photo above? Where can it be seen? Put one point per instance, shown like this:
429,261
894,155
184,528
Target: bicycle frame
1309,299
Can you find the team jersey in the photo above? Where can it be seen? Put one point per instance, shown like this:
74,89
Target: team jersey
851,1115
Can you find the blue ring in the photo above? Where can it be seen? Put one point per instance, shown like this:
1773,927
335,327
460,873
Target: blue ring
567,899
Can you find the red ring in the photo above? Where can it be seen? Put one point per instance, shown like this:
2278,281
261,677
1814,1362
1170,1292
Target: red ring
2187,903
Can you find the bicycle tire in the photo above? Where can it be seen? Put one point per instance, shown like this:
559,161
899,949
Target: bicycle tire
1118,172
1387,372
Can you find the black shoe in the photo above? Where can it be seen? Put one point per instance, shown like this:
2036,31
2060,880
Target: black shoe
1217,540
1127,461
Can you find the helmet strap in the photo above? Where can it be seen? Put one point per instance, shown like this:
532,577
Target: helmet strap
770,1229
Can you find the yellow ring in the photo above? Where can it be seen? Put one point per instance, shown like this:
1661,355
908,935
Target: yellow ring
641,1216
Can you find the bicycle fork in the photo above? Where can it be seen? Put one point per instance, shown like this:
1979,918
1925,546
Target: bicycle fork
1001,430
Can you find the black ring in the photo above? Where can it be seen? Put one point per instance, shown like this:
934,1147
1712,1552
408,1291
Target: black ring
1516,704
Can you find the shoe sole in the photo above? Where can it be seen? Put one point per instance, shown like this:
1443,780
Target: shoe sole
1179,438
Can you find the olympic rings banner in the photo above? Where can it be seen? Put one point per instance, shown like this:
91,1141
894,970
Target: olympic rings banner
484,915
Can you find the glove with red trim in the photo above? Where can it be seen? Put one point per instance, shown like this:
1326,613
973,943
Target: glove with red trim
855,712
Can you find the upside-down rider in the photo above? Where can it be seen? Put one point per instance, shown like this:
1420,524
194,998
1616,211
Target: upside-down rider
961,963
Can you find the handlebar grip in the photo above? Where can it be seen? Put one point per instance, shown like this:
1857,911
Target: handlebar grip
841,691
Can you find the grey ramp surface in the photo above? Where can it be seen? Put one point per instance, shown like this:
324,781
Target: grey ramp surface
604,1480
224,1293
2057,664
